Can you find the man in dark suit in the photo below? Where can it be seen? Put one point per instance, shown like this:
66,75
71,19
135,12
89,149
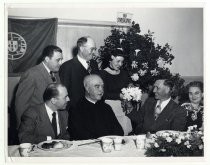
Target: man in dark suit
72,72
48,120
160,112
35,80
93,118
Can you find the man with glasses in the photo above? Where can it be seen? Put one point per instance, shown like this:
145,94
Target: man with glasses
72,72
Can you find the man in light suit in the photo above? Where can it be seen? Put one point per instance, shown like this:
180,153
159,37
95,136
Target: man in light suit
160,112
72,72
35,80
48,120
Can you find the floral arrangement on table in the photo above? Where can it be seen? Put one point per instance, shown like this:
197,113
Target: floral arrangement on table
174,143
145,60
131,98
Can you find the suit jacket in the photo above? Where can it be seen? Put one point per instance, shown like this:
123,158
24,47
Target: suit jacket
36,126
71,74
172,117
31,88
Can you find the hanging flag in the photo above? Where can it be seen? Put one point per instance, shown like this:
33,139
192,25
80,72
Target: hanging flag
26,40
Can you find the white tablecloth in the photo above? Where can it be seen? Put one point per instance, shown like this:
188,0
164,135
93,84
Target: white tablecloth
92,150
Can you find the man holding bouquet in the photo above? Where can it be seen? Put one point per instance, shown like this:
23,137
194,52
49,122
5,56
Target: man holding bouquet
160,112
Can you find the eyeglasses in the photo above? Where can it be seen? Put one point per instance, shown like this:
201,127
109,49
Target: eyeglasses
92,48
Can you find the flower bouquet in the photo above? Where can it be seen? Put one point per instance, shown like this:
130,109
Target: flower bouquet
174,143
131,99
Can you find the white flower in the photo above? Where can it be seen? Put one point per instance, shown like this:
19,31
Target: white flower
121,40
160,62
200,146
145,65
134,64
132,93
156,145
169,139
178,140
163,150
154,72
120,49
186,143
135,77
137,50
188,146
142,72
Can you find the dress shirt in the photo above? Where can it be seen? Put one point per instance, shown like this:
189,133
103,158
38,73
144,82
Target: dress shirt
163,104
50,112
48,70
83,62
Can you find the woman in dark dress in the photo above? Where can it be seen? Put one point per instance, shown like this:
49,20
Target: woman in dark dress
115,78
194,107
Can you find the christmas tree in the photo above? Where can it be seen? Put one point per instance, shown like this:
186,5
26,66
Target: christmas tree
145,61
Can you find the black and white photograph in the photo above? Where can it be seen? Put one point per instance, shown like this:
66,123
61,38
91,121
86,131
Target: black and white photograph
109,82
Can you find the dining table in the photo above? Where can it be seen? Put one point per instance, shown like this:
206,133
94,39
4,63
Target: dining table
85,148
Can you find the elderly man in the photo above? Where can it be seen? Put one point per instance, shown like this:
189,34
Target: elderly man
93,118
48,120
72,72
35,80
159,113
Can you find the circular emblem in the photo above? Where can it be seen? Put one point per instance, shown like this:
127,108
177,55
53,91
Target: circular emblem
16,46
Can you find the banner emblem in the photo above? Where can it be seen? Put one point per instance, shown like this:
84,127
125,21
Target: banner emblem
16,46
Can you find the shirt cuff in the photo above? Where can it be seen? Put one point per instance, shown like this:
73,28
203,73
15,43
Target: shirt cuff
49,138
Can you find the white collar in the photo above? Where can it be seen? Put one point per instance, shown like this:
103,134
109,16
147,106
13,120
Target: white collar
164,103
49,110
90,100
82,61
48,70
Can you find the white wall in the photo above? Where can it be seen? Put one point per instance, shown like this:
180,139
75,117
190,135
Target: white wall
182,28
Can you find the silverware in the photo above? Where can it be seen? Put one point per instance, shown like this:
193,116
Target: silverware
96,141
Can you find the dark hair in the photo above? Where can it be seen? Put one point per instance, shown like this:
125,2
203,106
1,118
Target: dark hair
169,83
114,52
49,50
51,91
81,41
198,84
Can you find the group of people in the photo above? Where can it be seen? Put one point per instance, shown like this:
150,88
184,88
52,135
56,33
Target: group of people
76,101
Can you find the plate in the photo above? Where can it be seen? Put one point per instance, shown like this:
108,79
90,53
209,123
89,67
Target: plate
66,144
167,131
124,141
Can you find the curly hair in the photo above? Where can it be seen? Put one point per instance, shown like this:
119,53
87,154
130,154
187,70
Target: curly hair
198,84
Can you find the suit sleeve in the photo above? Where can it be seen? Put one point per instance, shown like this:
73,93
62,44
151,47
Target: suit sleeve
23,96
65,75
179,122
26,132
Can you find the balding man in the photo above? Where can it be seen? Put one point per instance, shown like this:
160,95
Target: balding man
72,72
93,118
48,120
160,112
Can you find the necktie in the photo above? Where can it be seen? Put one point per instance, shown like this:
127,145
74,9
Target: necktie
52,76
157,111
88,68
54,123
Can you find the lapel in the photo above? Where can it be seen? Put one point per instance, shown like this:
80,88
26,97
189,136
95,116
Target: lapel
44,73
166,111
46,119
77,63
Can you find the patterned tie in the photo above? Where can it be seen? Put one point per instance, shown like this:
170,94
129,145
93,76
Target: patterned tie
54,123
89,68
52,76
157,111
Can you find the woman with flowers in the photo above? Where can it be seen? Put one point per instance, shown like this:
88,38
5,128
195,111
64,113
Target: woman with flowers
194,107
115,78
